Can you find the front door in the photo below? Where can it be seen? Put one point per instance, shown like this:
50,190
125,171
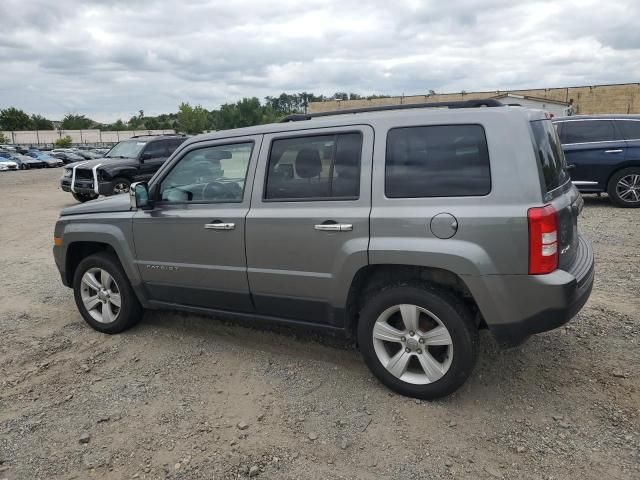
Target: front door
308,227
190,246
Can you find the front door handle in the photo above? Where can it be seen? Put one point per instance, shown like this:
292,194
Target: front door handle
219,226
334,227
617,150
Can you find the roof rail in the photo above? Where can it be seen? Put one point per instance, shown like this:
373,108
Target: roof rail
160,135
488,102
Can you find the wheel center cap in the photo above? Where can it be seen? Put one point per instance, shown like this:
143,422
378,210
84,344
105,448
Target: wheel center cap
412,343
102,295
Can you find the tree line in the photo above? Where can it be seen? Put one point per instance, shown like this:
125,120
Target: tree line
188,119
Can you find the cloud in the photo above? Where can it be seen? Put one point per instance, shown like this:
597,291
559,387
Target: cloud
109,58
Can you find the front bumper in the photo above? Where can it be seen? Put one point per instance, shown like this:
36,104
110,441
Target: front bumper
86,186
518,306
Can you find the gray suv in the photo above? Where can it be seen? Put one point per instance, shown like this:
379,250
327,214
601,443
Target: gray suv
409,228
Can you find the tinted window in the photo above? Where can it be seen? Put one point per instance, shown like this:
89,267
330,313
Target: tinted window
156,149
174,144
587,131
437,161
549,153
211,174
630,129
127,149
326,166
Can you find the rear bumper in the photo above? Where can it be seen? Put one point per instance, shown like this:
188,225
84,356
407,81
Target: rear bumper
518,306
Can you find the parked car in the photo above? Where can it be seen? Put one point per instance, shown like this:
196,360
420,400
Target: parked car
6,164
100,151
408,228
129,161
604,154
67,157
24,162
49,160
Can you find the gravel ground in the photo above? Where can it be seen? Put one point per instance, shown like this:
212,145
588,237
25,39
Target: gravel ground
187,397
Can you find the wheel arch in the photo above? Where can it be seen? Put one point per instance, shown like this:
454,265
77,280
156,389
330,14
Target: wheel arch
373,277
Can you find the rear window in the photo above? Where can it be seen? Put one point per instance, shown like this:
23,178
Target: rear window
584,131
549,153
437,161
630,129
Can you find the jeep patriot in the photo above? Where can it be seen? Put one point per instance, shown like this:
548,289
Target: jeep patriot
407,227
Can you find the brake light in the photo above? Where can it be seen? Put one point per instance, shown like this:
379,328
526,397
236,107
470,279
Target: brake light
543,240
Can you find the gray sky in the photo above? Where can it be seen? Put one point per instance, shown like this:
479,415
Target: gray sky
109,58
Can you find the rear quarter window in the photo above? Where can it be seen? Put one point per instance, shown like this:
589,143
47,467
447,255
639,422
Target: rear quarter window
630,129
549,154
585,131
437,161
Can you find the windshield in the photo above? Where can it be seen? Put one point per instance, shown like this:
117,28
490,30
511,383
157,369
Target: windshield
127,149
549,153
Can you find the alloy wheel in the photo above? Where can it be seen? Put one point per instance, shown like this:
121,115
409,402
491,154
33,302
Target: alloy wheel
120,187
412,344
628,188
100,295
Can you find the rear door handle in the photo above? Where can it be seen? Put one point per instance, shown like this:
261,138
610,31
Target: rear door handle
219,226
334,227
613,151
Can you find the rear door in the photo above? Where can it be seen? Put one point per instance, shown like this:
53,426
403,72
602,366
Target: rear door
594,147
308,227
558,190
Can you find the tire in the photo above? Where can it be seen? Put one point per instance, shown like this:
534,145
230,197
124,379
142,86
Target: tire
120,185
624,188
84,197
106,317
435,309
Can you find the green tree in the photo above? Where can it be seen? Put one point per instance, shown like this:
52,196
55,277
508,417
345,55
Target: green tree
41,123
3,138
14,119
192,119
72,121
135,123
64,142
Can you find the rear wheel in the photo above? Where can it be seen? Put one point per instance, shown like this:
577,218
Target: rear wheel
84,197
418,340
104,295
120,185
624,188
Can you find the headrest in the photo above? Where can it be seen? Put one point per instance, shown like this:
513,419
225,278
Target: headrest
308,164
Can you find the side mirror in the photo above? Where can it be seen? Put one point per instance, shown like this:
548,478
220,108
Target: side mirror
145,156
139,196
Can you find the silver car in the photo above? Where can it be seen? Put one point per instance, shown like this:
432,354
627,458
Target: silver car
409,228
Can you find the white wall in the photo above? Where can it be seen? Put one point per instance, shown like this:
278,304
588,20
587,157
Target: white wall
42,137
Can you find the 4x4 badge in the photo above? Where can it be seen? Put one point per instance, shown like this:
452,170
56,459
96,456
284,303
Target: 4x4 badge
162,267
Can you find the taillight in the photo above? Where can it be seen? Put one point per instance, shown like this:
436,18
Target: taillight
543,240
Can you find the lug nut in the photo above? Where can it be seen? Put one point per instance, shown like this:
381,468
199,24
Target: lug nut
421,340
407,349
412,333
419,351
402,339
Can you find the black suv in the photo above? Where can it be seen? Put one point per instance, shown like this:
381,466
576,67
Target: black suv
132,160
604,154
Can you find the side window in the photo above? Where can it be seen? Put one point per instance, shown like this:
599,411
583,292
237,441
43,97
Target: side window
437,161
630,129
210,174
314,167
156,149
173,145
583,131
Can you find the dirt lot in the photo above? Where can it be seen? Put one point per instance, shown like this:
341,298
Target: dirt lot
186,397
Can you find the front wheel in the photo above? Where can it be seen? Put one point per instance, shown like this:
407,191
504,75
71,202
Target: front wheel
84,197
120,185
418,340
624,188
104,295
